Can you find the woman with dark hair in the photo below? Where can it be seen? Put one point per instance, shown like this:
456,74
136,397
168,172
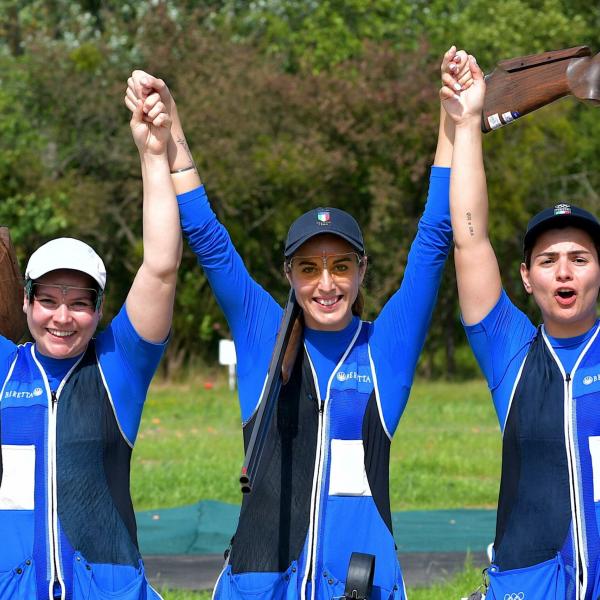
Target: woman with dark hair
545,381
323,490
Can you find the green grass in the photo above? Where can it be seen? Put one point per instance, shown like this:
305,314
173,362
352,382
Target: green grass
445,454
447,450
459,586
168,594
189,447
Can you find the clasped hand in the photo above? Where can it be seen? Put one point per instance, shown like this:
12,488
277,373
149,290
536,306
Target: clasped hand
463,86
150,116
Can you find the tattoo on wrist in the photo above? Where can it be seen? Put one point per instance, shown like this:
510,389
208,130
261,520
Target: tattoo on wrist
181,142
470,224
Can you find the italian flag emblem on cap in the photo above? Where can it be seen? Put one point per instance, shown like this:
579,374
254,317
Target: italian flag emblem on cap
562,209
324,216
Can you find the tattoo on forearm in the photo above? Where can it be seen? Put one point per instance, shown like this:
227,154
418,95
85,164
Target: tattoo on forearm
181,142
470,224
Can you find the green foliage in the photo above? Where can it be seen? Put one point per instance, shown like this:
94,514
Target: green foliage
493,31
319,35
287,105
87,57
35,217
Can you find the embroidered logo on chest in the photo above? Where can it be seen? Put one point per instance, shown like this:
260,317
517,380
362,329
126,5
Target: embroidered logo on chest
341,376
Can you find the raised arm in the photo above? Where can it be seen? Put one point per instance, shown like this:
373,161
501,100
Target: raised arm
456,64
252,314
477,272
403,324
240,297
400,329
152,294
142,85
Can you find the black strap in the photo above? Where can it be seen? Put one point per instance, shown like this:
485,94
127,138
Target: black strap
359,581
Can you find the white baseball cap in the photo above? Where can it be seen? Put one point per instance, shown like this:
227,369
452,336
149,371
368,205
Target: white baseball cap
66,253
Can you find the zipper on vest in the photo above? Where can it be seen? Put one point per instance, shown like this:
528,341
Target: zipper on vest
56,579
579,544
572,474
322,439
52,498
315,501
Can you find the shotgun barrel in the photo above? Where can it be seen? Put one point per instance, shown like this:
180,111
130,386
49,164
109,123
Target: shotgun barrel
268,401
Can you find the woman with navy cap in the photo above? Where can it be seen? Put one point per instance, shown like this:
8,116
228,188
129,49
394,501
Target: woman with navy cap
323,491
545,381
70,404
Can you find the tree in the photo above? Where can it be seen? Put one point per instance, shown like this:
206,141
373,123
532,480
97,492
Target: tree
287,105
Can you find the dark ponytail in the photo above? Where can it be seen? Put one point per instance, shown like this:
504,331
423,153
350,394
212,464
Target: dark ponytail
358,305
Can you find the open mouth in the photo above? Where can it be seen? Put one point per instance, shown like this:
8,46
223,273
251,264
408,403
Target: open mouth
328,302
565,296
60,334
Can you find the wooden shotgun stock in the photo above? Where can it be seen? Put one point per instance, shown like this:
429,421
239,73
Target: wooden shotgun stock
521,85
12,319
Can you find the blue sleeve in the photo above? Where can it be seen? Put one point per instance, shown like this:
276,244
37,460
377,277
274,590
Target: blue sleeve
400,329
500,343
252,313
128,363
7,355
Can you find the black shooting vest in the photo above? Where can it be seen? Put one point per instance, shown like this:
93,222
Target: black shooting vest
274,518
534,506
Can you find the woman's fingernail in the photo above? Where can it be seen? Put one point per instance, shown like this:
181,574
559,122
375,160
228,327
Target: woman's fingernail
457,87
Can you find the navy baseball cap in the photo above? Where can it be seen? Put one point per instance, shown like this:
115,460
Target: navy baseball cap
556,217
324,220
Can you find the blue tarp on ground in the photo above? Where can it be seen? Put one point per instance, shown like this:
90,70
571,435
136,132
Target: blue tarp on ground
207,526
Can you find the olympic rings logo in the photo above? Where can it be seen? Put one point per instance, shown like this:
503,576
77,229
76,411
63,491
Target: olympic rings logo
515,596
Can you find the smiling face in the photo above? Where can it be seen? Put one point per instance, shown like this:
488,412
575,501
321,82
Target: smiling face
326,295
564,278
62,319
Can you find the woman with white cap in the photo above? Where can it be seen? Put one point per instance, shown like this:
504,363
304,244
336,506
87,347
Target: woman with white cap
323,490
70,404
544,380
